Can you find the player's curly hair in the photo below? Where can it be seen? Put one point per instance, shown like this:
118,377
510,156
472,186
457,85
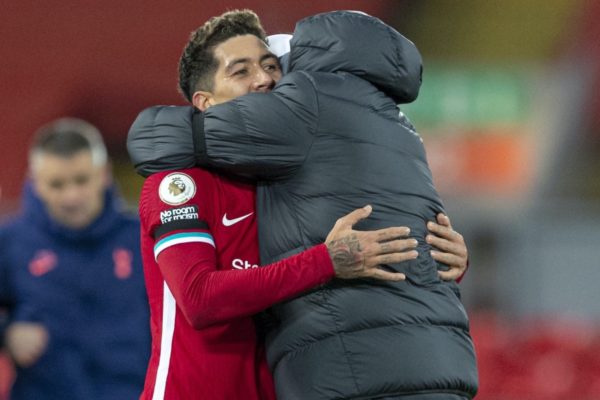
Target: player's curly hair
197,65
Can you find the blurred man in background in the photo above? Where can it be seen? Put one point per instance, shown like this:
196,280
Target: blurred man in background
72,276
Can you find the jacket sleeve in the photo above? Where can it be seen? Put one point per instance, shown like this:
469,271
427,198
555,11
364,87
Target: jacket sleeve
160,139
263,136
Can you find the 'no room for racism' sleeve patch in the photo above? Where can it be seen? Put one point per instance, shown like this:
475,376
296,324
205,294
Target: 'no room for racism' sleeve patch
180,218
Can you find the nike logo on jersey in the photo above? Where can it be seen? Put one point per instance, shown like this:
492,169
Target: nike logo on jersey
229,222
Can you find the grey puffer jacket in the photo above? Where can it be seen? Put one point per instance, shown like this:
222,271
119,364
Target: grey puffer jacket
327,140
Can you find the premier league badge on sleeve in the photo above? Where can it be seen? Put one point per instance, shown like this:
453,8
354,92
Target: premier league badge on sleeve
176,188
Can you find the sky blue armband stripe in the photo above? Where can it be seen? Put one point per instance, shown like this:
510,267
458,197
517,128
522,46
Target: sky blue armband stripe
178,238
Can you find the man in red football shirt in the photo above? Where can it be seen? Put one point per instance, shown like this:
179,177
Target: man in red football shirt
199,243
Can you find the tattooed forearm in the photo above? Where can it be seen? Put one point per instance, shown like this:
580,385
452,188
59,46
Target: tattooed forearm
346,255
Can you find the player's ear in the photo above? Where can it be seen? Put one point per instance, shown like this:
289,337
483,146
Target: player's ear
202,100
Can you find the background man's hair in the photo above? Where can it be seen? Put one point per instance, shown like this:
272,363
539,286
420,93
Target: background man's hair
197,64
66,137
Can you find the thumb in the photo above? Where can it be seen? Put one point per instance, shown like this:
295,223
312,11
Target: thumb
355,216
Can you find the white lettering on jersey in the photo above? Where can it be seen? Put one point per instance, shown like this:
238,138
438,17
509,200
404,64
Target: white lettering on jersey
242,264
179,214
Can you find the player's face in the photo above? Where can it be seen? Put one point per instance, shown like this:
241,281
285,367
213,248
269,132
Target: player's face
72,188
245,65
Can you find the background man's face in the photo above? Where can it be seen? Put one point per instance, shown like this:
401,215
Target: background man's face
245,65
71,188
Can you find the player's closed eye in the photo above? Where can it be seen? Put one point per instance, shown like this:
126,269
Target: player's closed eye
271,67
240,72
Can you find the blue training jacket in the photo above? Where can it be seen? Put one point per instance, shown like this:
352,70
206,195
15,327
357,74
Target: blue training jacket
87,288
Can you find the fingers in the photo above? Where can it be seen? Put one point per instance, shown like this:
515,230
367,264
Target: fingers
441,230
393,246
449,259
446,239
377,273
354,217
444,220
386,234
441,244
391,258
450,275
345,223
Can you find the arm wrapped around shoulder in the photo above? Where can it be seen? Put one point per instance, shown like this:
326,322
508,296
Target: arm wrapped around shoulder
161,139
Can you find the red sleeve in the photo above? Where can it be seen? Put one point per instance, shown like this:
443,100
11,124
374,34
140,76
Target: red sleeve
184,252
208,296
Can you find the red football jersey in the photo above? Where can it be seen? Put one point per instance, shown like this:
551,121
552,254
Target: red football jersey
200,254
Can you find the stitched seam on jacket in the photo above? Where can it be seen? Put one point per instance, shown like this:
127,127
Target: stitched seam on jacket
315,129
404,393
241,111
394,43
337,333
361,105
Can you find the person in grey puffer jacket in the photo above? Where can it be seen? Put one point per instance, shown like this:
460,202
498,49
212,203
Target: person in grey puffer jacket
328,139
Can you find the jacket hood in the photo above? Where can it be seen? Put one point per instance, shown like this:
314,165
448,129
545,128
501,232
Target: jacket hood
357,43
